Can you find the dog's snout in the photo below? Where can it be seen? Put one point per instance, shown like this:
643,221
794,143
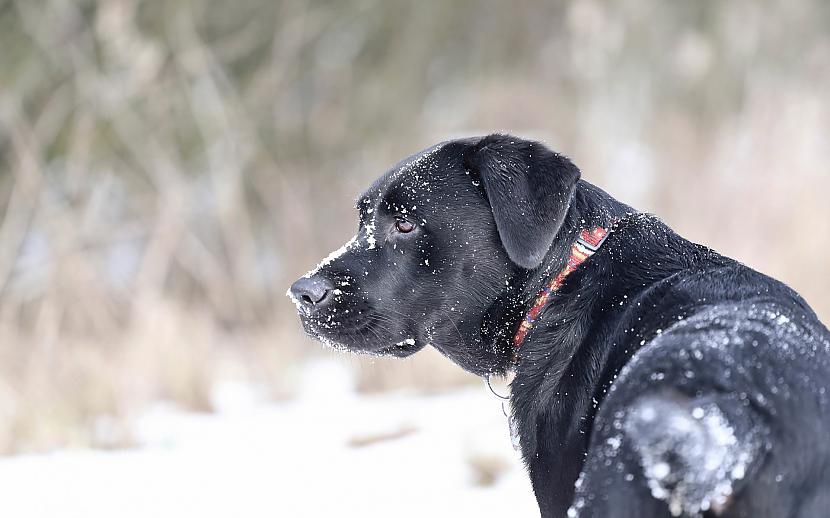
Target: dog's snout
312,291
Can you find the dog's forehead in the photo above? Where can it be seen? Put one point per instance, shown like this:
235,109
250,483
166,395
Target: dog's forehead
412,177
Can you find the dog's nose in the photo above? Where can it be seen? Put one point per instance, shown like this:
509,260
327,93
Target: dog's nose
312,291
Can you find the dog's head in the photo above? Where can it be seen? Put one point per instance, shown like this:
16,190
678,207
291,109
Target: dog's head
445,236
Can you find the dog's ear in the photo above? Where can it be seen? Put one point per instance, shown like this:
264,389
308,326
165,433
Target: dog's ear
529,188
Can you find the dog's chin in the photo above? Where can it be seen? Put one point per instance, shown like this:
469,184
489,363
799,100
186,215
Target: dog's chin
402,349
359,340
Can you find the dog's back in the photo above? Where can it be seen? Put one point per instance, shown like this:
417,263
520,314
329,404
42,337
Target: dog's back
723,410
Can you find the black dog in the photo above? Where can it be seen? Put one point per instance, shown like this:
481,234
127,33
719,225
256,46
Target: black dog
658,377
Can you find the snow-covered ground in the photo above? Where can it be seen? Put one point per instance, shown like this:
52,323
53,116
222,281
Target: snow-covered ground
330,452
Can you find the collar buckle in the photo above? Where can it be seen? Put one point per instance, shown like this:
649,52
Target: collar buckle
587,244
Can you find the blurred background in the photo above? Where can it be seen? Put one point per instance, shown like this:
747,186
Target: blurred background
167,168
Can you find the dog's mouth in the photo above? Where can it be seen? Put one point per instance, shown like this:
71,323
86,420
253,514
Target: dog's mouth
368,335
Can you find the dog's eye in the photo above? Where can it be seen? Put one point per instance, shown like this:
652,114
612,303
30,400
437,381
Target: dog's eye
403,226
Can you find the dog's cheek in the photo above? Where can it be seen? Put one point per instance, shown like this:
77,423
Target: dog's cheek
389,279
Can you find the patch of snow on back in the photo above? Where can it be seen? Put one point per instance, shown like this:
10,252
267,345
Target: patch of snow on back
690,458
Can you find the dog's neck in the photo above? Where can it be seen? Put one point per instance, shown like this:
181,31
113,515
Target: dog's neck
586,245
570,341
590,208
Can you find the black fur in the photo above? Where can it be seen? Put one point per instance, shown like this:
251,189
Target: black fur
663,378
529,188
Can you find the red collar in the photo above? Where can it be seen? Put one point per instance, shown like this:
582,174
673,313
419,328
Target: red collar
586,245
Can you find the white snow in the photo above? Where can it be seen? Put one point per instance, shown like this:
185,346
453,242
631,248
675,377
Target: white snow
425,158
330,452
331,257
370,234
705,450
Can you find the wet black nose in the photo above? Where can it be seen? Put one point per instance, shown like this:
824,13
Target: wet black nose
312,291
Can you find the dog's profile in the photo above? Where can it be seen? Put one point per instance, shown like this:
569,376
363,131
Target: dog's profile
653,376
